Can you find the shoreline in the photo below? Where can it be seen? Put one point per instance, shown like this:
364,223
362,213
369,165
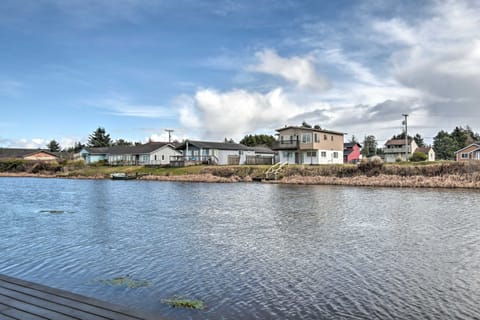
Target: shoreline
451,181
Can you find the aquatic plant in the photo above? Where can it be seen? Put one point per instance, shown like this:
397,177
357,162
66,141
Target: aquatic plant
125,281
52,211
178,302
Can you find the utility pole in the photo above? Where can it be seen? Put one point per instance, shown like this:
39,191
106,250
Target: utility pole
169,134
406,135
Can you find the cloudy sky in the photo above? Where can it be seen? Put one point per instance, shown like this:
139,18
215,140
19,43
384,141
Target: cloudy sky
216,69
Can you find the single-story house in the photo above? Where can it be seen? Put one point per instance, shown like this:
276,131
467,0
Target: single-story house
152,153
351,152
221,153
263,155
428,151
470,152
28,154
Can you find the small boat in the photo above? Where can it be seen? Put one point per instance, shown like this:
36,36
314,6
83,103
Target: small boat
122,176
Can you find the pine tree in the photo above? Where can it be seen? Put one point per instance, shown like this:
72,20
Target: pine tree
99,138
53,146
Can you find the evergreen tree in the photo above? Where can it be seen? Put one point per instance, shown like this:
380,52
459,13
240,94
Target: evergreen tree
369,146
99,138
121,142
444,146
257,139
53,146
419,140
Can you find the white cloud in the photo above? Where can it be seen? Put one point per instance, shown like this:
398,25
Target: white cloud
235,113
298,70
121,106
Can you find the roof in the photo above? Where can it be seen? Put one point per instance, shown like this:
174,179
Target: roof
262,149
423,149
397,142
215,145
21,153
310,129
477,144
139,149
351,144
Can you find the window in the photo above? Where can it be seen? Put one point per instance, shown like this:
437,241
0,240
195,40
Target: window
331,138
163,157
306,138
155,157
311,154
324,154
464,155
324,137
316,138
335,155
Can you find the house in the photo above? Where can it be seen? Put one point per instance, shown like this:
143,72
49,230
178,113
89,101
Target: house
206,152
306,145
395,149
263,155
470,152
28,154
352,152
152,153
427,151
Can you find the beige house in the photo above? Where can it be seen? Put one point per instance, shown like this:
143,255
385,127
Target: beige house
28,154
470,152
428,151
306,145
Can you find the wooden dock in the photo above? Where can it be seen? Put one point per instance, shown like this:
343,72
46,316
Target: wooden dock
21,299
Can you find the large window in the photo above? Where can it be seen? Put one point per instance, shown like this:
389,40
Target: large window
464,155
306,138
335,155
323,154
311,154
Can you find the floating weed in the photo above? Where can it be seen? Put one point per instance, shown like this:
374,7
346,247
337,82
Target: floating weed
178,302
125,281
52,211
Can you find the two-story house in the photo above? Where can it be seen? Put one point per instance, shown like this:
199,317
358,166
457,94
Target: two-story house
306,145
396,149
352,152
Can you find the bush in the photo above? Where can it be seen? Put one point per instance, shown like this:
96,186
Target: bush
372,166
418,156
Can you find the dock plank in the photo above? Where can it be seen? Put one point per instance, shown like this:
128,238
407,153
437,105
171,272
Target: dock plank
20,299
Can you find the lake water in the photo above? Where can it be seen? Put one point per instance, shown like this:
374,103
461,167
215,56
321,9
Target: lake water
249,250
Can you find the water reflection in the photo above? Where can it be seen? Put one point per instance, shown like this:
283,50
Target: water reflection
249,250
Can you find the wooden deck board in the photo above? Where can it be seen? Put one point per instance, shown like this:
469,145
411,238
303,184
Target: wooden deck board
21,299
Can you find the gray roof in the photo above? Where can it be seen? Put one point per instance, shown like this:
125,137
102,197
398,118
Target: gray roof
140,149
312,129
262,149
397,142
11,153
214,145
351,144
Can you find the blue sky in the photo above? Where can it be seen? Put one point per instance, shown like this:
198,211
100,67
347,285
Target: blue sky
216,69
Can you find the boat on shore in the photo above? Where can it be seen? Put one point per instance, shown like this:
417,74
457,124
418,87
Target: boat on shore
122,176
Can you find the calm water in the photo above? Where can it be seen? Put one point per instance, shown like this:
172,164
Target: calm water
249,250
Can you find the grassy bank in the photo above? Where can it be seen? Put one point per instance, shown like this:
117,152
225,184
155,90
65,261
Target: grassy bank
368,173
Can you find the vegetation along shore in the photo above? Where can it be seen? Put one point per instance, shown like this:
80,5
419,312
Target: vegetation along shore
371,172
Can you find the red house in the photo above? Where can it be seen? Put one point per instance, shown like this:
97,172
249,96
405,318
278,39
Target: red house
351,152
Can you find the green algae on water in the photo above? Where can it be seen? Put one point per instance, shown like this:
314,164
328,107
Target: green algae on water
178,302
125,281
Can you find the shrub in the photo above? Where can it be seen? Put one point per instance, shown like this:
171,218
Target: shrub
418,156
372,166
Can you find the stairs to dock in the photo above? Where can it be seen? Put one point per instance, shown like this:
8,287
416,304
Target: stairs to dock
273,171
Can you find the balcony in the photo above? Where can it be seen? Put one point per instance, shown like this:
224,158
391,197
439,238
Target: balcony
285,145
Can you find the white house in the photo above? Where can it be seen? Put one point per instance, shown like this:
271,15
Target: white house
221,153
152,153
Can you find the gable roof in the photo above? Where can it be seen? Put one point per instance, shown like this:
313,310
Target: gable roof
21,153
423,149
310,129
214,145
139,149
398,142
477,144
262,149
350,145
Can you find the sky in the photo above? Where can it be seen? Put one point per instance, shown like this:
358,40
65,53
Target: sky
222,69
